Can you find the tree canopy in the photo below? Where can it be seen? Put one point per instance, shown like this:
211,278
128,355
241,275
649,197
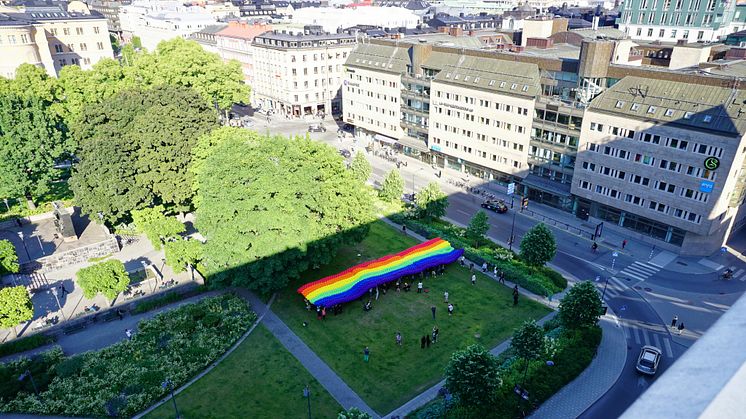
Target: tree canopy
271,207
108,278
135,150
179,253
528,341
15,306
393,186
8,258
431,201
33,138
156,225
581,306
472,374
360,168
478,227
538,246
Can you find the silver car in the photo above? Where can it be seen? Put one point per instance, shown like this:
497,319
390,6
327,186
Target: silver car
648,361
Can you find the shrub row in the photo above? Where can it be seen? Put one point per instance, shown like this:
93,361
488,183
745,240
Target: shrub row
25,344
126,377
542,280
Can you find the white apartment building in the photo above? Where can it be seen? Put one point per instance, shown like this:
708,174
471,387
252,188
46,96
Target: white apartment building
154,21
52,37
300,74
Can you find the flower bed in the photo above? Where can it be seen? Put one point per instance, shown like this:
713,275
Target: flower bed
126,377
542,280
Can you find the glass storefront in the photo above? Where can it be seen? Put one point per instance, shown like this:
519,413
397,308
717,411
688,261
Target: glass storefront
640,224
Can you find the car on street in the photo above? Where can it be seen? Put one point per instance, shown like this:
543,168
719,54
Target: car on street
496,206
648,361
316,128
345,153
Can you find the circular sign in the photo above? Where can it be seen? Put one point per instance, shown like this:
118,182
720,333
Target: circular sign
712,163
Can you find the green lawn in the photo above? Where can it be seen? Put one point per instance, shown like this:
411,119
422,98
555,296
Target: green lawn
483,313
260,379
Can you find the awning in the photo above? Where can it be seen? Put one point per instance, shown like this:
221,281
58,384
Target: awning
414,143
385,139
546,185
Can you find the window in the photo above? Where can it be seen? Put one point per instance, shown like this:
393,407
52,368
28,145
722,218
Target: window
634,107
66,31
652,109
619,104
100,45
83,47
669,112
707,119
58,48
96,29
688,115
79,31
650,32
661,33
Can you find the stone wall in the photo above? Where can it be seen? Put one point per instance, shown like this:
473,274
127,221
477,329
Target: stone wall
73,256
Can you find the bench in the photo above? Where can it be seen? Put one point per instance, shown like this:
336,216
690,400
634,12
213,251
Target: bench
110,315
69,330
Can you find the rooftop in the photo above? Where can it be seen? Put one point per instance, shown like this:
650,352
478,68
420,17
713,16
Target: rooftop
242,30
279,36
714,108
385,58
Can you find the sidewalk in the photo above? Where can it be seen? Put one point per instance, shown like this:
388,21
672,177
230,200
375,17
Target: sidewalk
575,397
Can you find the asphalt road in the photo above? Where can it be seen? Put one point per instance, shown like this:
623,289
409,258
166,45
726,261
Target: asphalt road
638,299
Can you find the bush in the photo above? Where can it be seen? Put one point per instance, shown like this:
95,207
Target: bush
157,302
25,344
126,377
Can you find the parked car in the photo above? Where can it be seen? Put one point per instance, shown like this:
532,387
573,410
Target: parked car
316,128
648,361
496,206
345,153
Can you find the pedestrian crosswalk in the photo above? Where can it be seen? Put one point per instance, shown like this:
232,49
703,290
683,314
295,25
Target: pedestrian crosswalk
738,273
639,271
613,287
646,336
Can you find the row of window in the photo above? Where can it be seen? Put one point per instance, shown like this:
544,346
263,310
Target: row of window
319,57
73,61
483,103
553,157
641,202
316,70
59,48
570,121
555,137
468,133
475,79
78,31
371,94
479,153
673,32
370,121
649,160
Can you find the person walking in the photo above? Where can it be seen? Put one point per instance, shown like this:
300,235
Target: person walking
63,291
128,333
624,243
436,331
450,309
515,295
594,247
432,308
323,313
494,271
398,338
120,313
445,296
366,354
462,261
473,279
404,229
681,328
673,322
419,287
502,277
318,312
484,267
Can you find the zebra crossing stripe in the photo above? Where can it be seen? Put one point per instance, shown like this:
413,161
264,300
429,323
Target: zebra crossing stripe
637,334
656,341
645,335
667,345
646,267
738,273
632,275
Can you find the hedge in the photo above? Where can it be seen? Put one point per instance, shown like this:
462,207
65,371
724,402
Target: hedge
541,281
25,344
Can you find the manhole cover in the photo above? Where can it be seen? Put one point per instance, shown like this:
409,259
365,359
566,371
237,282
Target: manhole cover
648,289
638,287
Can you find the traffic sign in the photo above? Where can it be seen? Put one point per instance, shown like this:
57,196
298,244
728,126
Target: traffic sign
712,163
511,188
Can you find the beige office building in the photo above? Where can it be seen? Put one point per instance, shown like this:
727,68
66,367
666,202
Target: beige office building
51,38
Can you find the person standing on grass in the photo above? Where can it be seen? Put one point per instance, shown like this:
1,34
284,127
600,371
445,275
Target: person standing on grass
473,279
398,338
515,295
445,296
432,308
366,354
323,313
318,312
435,334
419,287
450,309
427,341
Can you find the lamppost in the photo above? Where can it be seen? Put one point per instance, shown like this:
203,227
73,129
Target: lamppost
23,376
512,229
54,292
307,395
606,283
169,385
20,236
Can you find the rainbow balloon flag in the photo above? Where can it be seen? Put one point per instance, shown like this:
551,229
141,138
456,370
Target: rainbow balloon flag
350,284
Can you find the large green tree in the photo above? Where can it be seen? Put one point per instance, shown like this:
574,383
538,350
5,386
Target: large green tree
581,306
478,227
15,306
108,278
360,168
180,253
431,201
393,186
528,341
32,138
538,246
156,225
271,207
8,258
472,374
136,148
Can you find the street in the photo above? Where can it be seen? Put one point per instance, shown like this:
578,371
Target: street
642,286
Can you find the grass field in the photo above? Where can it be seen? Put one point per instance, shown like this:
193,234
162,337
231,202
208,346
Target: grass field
484,313
260,379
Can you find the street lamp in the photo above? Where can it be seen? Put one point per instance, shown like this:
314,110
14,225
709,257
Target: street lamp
307,395
169,385
20,235
54,292
512,229
23,376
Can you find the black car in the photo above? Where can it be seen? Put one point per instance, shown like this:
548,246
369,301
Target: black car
496,206
345,153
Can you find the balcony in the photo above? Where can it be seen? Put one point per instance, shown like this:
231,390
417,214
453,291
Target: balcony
416,111
414,125
416,78
415,95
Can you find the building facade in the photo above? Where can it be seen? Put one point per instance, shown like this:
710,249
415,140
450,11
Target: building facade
673,20
300,74
568,131
234,42
52,37
154,21
110,10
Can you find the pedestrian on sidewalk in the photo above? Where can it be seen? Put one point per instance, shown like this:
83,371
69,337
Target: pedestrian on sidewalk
624,243
445,296
63,291
473,279
366,354
450,309
502,277
594,247
432,308
398,338
673,322
471,267
404,229
494,271
484,267
120,313
128,333
419,287
681,328
422,342
515,295
462,261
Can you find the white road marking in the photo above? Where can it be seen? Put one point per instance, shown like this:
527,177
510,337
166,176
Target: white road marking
637,334
667,345
645,335
656,341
